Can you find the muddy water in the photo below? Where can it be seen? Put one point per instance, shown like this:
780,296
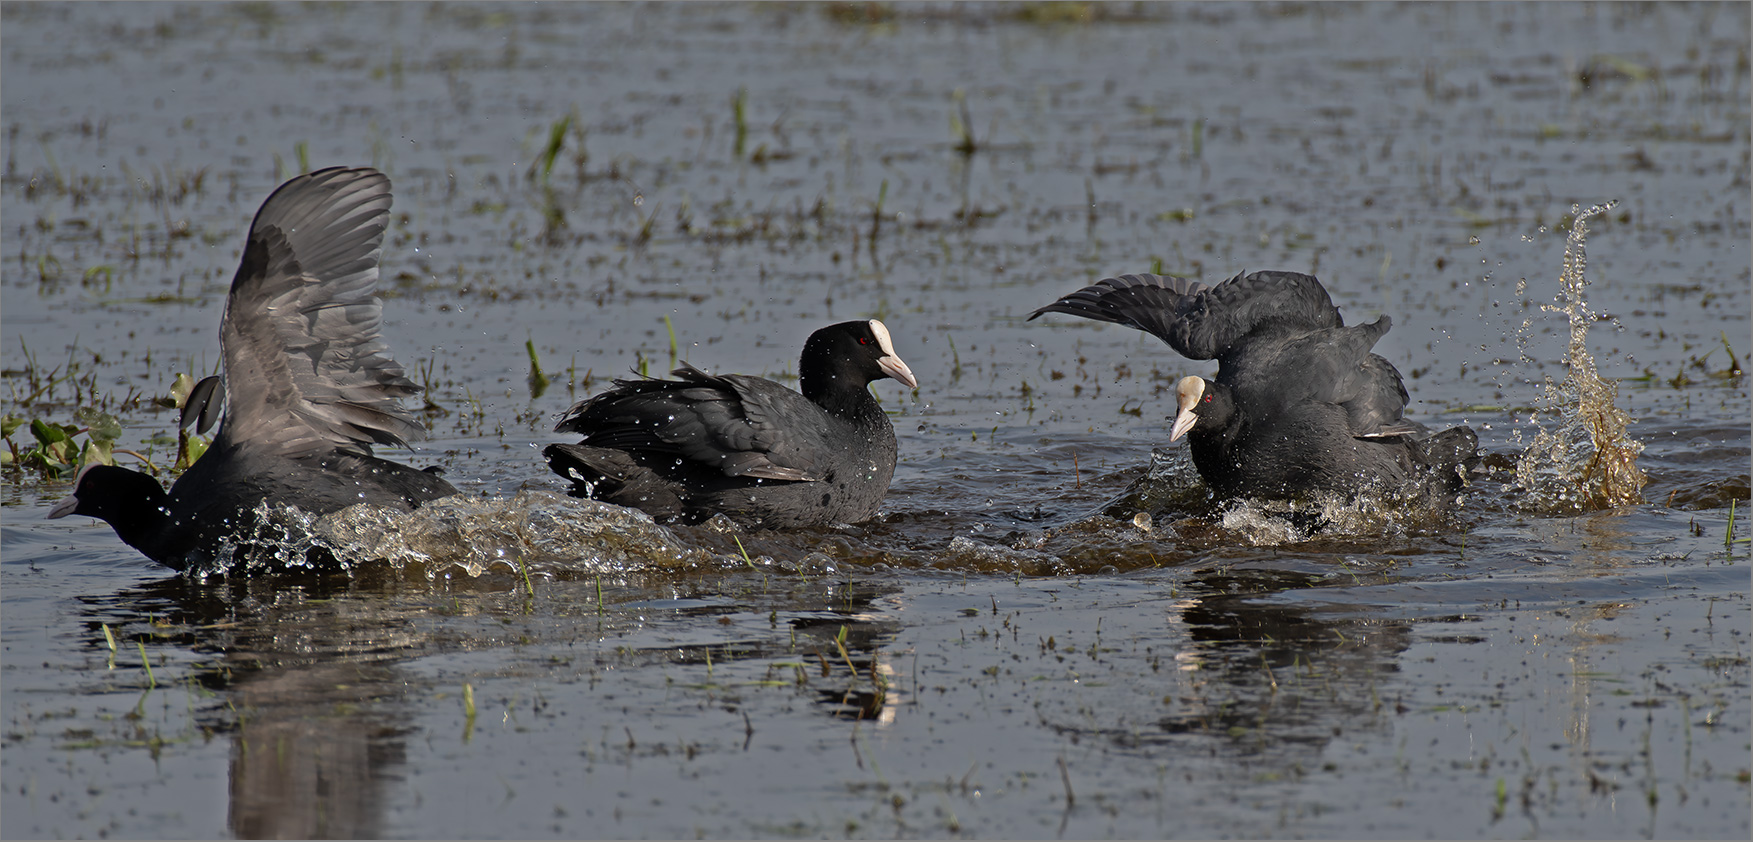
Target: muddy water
1009,650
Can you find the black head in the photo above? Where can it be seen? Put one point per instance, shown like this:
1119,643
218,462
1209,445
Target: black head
849,356
1204,406
131,502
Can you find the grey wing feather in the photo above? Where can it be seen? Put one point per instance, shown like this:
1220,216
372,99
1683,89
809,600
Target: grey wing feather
1151,303
1200,321
1369,387
728,422
1337,367
1379,407
201,408
781,452
307,370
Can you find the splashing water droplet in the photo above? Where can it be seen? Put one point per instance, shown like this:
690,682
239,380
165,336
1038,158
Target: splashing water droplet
1586,461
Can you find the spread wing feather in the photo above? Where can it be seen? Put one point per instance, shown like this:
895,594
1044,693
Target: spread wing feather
306,368
1201,321
1211,322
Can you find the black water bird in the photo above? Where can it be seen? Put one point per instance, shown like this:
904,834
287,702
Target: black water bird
1299,403
309,387
764,455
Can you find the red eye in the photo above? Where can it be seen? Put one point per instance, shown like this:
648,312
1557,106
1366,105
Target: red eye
1206,399
863,341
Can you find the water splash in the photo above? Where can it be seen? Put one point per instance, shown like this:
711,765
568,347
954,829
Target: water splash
1374,513
1171,487
536,531
1586,461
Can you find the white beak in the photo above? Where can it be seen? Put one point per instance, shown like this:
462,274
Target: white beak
890,362
1188,392
893,367
1184,421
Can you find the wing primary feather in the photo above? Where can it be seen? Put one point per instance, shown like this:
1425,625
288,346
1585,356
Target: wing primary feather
305,363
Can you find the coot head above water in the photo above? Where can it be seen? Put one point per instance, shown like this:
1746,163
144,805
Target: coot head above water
309,386
747,447
1299,402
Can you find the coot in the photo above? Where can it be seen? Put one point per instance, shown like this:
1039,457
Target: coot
310,387
762,454
1299,402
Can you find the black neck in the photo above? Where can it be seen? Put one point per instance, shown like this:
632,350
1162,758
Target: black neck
844,394
137,507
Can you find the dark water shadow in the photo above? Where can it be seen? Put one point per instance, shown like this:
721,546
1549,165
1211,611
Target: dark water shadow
308,676
303,675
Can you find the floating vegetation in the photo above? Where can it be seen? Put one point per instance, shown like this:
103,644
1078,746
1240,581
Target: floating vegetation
57,453
1587,461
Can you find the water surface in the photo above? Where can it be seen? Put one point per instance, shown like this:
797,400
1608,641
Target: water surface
1007,650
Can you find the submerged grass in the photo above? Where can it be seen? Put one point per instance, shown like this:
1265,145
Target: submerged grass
551,150
537,380
739,115
145,662
962,125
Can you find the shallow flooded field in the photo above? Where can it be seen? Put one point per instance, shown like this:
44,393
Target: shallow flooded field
1050,630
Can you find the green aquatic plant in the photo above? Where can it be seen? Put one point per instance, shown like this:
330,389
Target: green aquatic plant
146,662
423,370
57,451
962,125
739,108
876,215
189,448
523,568
300,152
643,236
538,381
840,644
556,141
869,14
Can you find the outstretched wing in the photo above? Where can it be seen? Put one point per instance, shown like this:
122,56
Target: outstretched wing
1201,321
306,369
740,426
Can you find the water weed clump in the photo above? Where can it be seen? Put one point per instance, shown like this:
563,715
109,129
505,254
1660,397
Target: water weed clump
57,452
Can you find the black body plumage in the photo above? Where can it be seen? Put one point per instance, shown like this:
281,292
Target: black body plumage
309,387
1299,404
764,455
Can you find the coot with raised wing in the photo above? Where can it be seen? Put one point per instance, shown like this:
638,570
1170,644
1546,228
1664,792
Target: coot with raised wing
309,387
1299,403
684,449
